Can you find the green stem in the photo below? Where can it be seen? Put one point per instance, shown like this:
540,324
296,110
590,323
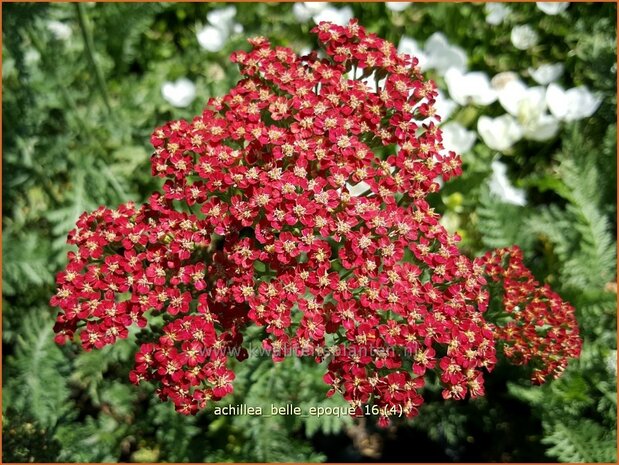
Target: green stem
344,275
90,53
401,201
190,209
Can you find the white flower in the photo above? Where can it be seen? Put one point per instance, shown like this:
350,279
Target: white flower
444,106
514,95
499,133
442,56
180,93
214,35
528,105
470,87
543,127
339,16
397,6
357,189
411,47
501,186
305,50
32,56
222,18
211,38
496,13
524,37
573,104
457,138
546,73
303,11
552,8
499,81
59,30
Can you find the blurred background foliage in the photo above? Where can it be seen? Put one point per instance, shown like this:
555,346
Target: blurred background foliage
79,103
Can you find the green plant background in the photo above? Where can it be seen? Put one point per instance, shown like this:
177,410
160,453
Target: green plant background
72,142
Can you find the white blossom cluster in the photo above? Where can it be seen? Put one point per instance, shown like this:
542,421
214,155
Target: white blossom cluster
212,37
533,112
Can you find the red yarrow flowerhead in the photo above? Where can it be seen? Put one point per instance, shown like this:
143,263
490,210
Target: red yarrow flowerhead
297,203
542,330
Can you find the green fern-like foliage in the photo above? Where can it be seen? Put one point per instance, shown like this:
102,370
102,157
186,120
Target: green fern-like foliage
25,266
580,235
579,410
568,234
501,223
588,250
584,441
38,372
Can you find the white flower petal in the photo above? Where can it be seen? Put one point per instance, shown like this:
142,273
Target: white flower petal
306,50
573,104
499,133
339,16
501,186
496,13
179,93
214,35
222,18
436,43
357,189
556,101
528,105
397,6
582,103
59,30
411,47
532,104
303,11
524,37
471,87
31,57
442,56
444,106
510,96
457,138
499,81
552,8
542,129
316,7
546,73
211,38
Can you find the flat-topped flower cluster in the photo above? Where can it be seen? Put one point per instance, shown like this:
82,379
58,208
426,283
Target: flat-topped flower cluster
541,328
261,222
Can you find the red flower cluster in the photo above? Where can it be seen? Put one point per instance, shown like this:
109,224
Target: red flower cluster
541,330
262,221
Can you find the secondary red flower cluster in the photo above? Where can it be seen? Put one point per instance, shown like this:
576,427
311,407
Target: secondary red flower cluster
541,329
297,203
